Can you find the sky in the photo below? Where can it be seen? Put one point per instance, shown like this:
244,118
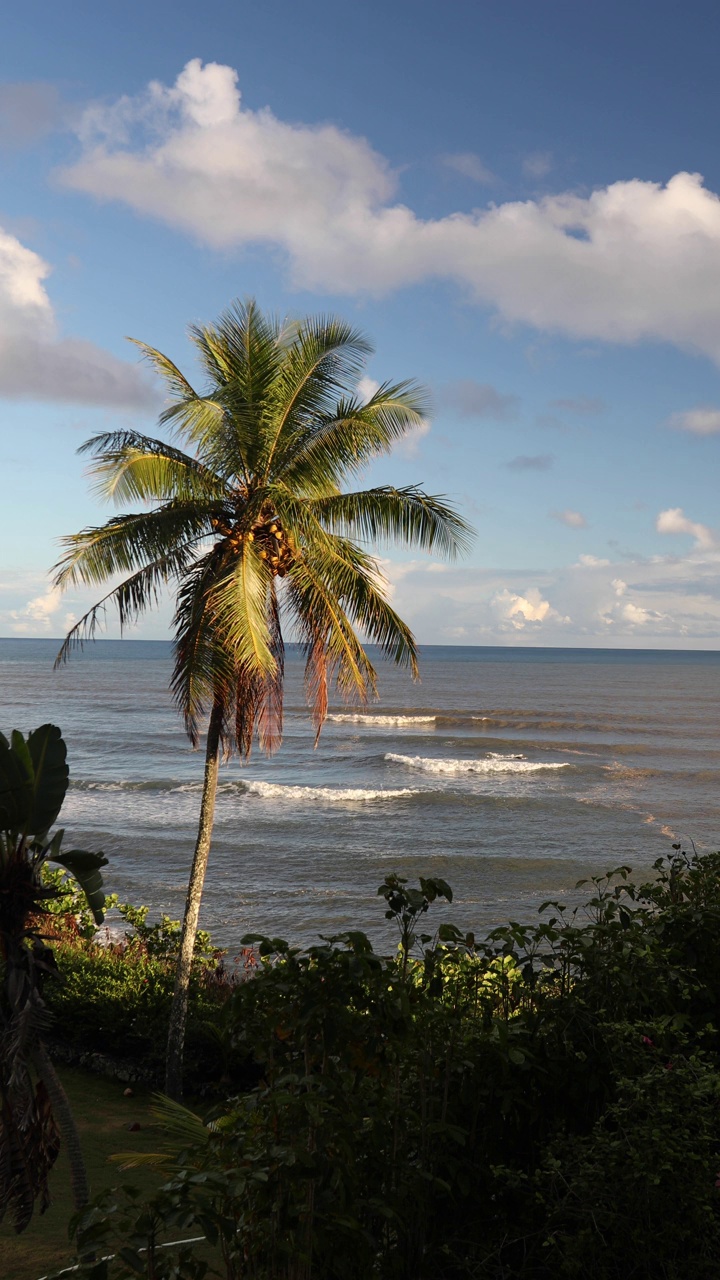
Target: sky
518,204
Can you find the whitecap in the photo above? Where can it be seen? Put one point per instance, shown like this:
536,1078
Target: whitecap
491,764
323,795
382,721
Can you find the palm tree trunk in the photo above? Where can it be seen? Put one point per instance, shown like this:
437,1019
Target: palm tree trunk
178,1010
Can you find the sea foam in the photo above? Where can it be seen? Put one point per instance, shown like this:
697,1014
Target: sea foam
325,795
490,764
352,717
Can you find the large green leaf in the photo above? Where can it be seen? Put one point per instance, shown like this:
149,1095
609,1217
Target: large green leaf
15,786
85,867
50,781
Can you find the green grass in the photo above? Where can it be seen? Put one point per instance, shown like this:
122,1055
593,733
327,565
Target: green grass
102,1114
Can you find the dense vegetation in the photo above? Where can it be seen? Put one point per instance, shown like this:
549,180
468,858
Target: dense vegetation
537,1104
34,1111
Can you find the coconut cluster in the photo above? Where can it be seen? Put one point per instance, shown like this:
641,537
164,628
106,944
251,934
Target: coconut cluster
273,545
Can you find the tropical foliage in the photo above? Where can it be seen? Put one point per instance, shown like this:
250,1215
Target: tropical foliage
112,1007
33,783
539,1104
251,516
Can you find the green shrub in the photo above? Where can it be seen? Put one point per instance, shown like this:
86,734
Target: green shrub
539,1104
114,1000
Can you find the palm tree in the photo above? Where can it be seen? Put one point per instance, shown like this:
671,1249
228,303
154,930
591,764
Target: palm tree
251,517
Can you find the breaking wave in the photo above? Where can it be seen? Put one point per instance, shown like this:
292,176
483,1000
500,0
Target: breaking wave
333,795
382,721
493,763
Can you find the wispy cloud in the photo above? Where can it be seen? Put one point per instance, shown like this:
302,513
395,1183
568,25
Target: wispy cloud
537,164
531,462
573,519
193,156
582,405
470,399
470,166
703,420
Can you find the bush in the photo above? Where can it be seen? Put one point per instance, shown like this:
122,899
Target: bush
536,1105
114,1000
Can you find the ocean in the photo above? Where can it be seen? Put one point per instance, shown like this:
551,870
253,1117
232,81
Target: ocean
511,773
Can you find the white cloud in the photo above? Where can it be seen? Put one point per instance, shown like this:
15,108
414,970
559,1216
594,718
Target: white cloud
635,614
470,166
592,562
675,521
36,362
367,387
703,420
36,617
519,610
669,602
30,607
633,261
573,519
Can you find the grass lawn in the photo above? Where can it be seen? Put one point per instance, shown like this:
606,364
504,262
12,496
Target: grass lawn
102,1115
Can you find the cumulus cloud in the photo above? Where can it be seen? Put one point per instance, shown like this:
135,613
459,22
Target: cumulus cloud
471,399
29,110
633,261
470,166
40,616
367,387
36,362
573,519
703,420
30,607
670,601
675,521
519,610
531,462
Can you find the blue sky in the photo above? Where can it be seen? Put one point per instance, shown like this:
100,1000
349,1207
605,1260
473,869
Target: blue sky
506,197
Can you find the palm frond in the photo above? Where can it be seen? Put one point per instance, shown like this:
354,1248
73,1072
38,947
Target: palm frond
354,578
127,542
203,670
259,697
338,444
175,381
243,345
389,515
331,646
129,465
141,591
238,605
325,357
